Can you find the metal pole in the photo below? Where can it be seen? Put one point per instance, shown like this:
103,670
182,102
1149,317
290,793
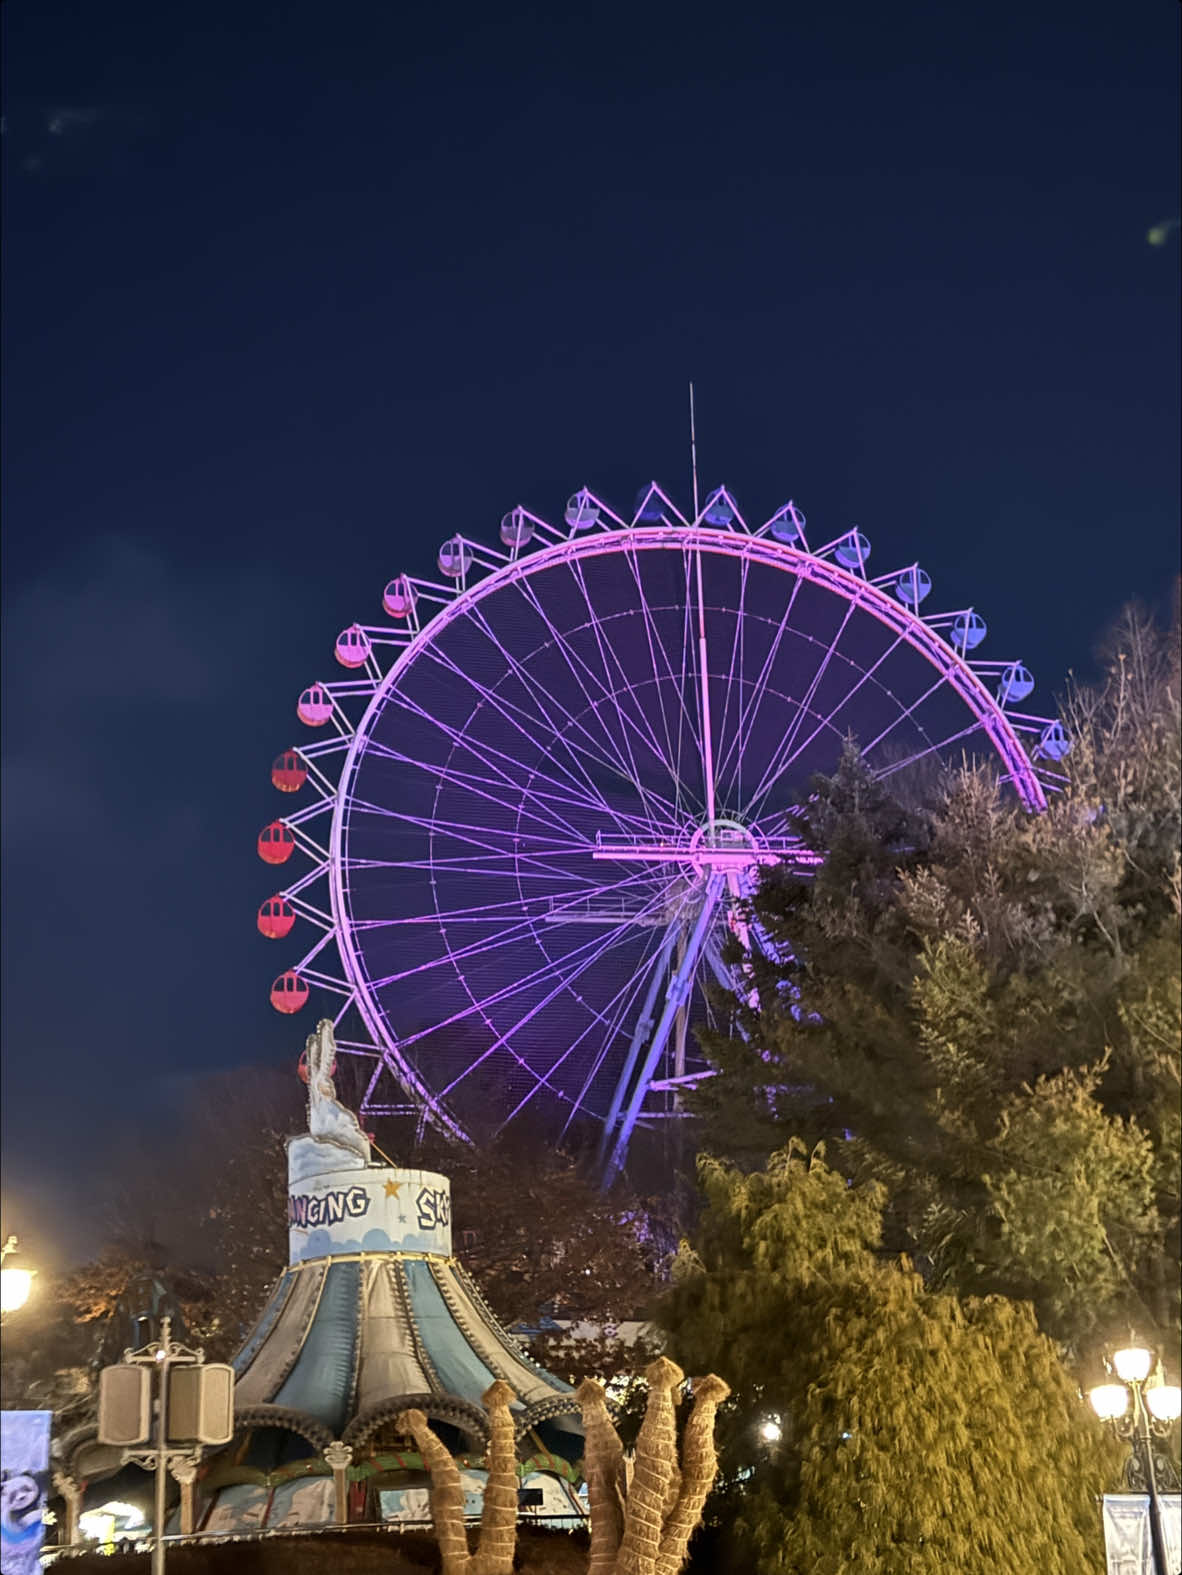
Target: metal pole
161,1450
1144,1443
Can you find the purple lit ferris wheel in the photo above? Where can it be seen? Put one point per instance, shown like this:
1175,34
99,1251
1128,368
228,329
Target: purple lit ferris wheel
553,771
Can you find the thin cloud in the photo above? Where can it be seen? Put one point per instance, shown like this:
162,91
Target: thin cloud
70,135
62,122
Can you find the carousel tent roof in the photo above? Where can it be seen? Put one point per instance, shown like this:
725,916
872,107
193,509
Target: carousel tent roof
343,1346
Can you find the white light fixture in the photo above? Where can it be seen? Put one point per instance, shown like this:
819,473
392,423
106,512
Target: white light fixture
1164,1402
770,1431
1133,1363
1109,1401
15,1285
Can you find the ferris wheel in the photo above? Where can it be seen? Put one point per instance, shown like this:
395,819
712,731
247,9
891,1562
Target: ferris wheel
553,771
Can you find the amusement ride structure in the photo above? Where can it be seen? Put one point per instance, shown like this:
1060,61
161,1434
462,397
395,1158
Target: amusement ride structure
547,777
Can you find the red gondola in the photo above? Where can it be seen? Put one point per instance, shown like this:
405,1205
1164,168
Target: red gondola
289,992
288,772
276,843
276,918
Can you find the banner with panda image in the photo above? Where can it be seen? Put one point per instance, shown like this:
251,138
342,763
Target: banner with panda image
24,1486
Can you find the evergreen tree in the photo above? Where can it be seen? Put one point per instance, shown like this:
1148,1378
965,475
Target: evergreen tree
917,1431
979,1008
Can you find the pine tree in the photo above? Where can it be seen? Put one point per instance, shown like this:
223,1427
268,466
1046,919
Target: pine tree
979,1008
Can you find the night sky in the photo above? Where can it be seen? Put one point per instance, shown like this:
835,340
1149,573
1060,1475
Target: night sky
293,292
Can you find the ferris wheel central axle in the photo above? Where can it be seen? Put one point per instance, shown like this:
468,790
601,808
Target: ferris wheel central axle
728,848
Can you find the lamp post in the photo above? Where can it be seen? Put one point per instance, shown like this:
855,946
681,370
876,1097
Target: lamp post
1142,1412
15,1283
193,1401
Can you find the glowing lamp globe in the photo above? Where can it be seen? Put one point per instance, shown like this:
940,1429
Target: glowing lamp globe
1109,1401
15,1286
1133,1364
1165,1402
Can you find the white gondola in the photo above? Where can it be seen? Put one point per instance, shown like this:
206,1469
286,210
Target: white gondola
517,529
1016,683
353,646
315,706
455,557
787,525
718,510
968,630
1054,742
853,551
398,598
581,510
913,586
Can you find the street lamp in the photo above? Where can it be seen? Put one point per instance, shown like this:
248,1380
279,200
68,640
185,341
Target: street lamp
1141,1412
15,1283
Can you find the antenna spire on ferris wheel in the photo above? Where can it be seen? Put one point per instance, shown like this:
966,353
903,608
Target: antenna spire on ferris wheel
554,768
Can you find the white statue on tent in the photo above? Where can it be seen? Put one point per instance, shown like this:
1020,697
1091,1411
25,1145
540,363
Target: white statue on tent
328,1119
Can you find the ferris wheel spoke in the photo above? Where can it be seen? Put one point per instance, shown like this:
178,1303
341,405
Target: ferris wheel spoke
544,862
974,726
750,709
734,690
612,937
829,720
527,727
620,688
647,976
772,771
904,716
594,952
503,938
656,646
622,1002
512,862
533,687
553,826
487,785
506,711
582,672
492,758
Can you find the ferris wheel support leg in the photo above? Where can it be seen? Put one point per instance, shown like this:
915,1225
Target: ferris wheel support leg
639,1034
679,987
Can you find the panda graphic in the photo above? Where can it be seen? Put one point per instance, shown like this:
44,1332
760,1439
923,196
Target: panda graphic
22,1493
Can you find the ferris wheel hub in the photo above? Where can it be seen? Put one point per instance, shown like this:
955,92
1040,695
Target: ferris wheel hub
728,848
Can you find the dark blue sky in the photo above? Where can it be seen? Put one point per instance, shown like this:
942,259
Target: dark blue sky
292,292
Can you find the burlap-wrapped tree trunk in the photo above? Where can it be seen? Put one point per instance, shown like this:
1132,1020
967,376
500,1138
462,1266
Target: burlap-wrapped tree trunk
652,1473
447,1496
643,1528
699,1464
498,1520
603,1467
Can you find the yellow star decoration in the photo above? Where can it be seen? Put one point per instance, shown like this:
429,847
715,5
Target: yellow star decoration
392,1188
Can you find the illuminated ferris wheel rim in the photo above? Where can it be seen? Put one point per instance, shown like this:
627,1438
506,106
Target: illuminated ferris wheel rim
595,531
870,596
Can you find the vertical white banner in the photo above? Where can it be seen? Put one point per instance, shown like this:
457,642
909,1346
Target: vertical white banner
1127,1537
24,1485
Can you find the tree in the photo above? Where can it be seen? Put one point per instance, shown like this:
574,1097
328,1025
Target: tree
979,1008
543,1241
918,1430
